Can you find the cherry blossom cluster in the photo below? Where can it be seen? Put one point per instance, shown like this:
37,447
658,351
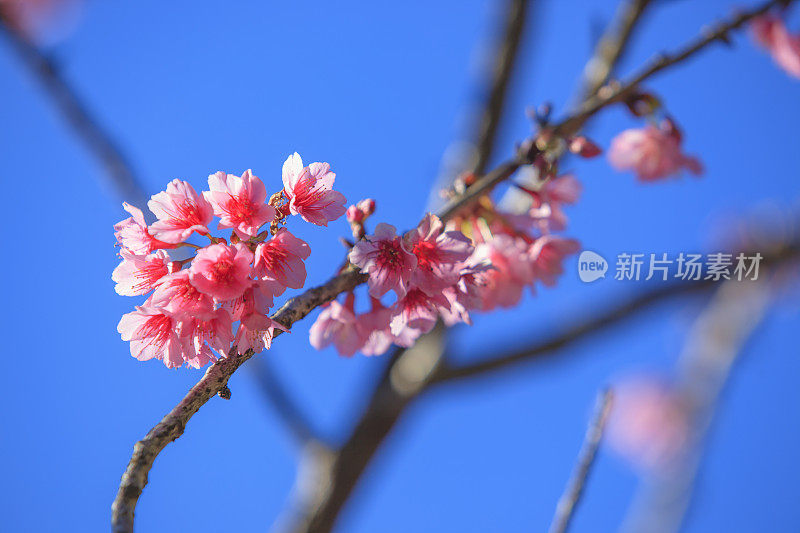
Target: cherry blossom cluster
482,259
193,303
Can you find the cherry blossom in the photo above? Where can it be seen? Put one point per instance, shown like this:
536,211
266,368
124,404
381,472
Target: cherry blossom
205,335
139,274
281,258
337,325
180,212
512,270
548,201
256,332
548,253
652,152
648,425
771,33
177,294
386,259
132,234
438,253
239,202
417,310
310,191
222,271
374,329
153,333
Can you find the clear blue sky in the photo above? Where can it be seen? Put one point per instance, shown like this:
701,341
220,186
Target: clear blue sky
379,90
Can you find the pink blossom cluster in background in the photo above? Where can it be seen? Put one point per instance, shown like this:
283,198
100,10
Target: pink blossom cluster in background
193,304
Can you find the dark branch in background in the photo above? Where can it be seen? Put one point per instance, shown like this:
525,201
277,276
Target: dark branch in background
502,69
713,347
591,442
611,47
79,117
172,425
281,401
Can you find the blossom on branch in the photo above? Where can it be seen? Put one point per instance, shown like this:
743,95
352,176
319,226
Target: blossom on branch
180,212
653,153
310,191
239,202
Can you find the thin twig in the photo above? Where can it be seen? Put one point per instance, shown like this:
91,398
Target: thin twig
171,427
611,94
611,47
502,68
99,141
591,442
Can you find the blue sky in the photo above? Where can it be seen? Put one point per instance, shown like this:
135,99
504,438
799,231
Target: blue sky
379,90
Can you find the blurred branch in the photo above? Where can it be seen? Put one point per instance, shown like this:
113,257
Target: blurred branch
612,93
284,404
599,322
591,442
99,142
611,47
502,68
382,412
714,344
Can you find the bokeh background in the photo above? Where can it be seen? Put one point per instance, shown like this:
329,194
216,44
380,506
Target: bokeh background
379,90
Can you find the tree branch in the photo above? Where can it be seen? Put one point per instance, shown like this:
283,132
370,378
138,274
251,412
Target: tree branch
173,424
594,433
76,113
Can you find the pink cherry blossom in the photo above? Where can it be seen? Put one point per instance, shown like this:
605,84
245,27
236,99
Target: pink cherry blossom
549,200
132,233
511,272
649,425
153,334
386,259
239,202
222,271
771,33
652,152
205,335
310,191
256,332
139,274
337,325
177,294
466,294
438,252
180,212
417,310
281,258
548,253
